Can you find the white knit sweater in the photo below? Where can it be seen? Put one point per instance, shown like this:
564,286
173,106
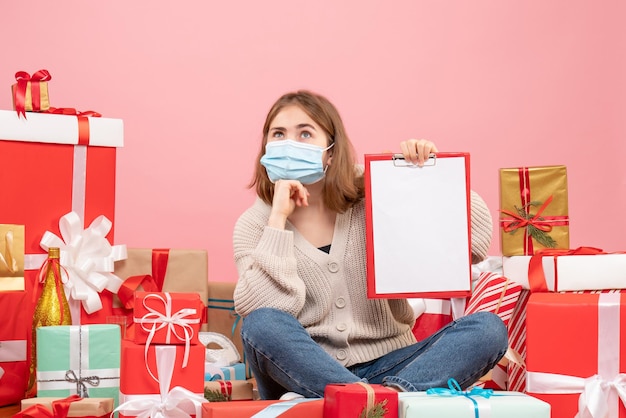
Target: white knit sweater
325,292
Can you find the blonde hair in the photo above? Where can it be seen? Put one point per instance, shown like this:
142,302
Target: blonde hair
343,185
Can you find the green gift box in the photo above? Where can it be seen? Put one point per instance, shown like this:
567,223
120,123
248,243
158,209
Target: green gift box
79,359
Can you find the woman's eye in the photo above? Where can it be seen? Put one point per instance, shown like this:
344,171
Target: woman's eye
277,134
306,135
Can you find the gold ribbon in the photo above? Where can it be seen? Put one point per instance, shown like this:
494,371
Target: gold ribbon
370,396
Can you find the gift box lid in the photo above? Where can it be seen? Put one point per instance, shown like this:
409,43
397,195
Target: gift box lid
60,129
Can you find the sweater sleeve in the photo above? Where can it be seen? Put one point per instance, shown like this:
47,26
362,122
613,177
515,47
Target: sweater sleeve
266,266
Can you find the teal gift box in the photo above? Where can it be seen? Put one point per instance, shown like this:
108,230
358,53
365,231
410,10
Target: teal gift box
500,404
79,359
236,371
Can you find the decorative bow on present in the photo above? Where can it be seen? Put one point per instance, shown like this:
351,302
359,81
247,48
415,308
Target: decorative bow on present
23,78
175,403
60,409
87,258
454,389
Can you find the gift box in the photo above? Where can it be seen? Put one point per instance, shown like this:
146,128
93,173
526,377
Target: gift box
435,315
167,317
516,371
352,399
448,404
140,367
161,270
533,209
236,371
583,268
30,93
222,317
297,408
575,352
227,390
80,407
53,165
14,342
11,257
83,360
156,375
496,294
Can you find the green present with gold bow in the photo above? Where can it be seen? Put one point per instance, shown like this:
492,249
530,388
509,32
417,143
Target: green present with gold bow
533,209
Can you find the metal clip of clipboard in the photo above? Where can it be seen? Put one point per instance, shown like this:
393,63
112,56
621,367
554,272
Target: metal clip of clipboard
399,161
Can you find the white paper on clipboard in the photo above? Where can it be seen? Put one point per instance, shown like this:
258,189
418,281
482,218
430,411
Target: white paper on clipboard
418,227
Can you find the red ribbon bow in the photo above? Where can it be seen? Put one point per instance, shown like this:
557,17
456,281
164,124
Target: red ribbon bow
509,225
60,409
23,78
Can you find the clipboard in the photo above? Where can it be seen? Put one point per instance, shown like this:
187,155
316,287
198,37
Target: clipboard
418,229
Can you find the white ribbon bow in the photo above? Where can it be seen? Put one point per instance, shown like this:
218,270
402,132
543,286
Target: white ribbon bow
176,403
87,257
165,319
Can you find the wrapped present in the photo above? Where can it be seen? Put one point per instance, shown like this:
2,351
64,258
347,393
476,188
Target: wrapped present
140,365
454,403
496,294
82,360
227,390
161,270
516,371
11,257
235,371
30,93
14,340
160,378
582,268
222,318
352,399
575,353
434,315
167,317
73,406
297,408
75,172
533,209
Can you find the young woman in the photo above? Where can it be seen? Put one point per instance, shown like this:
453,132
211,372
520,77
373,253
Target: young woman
300,254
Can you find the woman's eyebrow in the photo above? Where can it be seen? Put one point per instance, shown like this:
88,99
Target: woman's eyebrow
305,125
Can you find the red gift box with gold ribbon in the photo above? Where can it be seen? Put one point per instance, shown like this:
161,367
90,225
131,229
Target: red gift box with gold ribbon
30,92
345,400
53,165
533,209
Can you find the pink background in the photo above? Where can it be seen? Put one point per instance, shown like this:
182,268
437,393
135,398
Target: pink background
514,83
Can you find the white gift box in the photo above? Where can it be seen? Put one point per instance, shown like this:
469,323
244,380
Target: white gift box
571,272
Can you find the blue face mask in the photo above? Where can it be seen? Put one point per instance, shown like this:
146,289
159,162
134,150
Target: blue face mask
291,160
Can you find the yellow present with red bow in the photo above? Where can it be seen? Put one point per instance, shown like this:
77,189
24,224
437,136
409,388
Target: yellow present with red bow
70,407
30,92
533,209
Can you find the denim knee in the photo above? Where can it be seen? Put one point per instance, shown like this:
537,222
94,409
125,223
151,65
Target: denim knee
260,323
493,330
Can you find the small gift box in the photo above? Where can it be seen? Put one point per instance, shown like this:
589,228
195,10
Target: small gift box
30,93
167,318
11,257
454,403
158,377
227,390
73,406
297,408
83,360
235,371
582,268
575,352
344,400
14,336
533,209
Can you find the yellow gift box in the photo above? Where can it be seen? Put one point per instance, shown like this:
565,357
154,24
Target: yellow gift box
30,93
533,209
11,257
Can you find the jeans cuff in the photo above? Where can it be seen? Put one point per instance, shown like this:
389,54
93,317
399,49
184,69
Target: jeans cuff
399,383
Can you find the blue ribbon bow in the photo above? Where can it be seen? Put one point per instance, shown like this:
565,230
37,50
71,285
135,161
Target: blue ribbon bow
454,389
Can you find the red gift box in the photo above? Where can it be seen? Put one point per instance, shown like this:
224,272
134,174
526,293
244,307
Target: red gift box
155,374
576,352
167,317
349,400
53,165
14,339
437,314
309,408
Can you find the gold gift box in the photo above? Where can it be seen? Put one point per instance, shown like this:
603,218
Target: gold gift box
11,257
86,407
533,209
44,98
233,390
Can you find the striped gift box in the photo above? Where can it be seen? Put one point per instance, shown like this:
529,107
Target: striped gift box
517,341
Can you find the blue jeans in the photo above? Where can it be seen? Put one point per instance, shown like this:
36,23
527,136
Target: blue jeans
284,358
